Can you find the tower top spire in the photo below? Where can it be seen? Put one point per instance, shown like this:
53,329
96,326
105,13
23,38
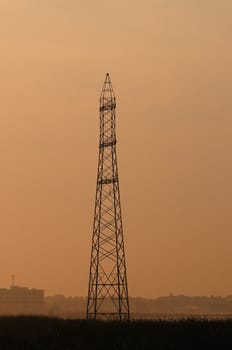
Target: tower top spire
107,90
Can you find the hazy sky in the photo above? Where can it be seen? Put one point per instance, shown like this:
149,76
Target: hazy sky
170,64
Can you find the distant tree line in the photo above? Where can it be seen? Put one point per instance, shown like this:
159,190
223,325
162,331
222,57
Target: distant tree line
73,307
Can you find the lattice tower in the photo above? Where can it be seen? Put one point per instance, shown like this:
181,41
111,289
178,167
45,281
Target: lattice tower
108,291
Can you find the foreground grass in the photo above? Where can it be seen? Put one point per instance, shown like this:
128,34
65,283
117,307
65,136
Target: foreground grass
23,332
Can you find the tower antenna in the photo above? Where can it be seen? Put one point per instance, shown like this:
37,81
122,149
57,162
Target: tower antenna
12,280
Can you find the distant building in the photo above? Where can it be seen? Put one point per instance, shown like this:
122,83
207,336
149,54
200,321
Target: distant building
21,300
21,295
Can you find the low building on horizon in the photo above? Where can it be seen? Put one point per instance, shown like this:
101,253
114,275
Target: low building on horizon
21,300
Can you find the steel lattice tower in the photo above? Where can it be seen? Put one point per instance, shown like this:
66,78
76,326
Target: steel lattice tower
108,292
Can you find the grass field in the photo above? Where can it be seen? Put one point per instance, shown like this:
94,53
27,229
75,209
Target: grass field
23,332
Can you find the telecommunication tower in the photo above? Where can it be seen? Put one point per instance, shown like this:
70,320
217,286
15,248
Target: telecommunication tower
108,291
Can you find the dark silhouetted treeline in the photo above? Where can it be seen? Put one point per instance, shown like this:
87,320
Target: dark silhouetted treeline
59,334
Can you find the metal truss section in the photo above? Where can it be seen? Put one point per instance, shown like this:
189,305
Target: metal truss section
108,291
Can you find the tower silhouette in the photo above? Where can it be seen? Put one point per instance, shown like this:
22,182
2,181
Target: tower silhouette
108,292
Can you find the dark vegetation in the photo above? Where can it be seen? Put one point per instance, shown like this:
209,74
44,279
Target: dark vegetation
23,332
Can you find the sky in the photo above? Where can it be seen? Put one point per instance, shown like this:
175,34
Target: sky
170,65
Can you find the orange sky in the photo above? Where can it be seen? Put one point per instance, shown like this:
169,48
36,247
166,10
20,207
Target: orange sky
170,64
